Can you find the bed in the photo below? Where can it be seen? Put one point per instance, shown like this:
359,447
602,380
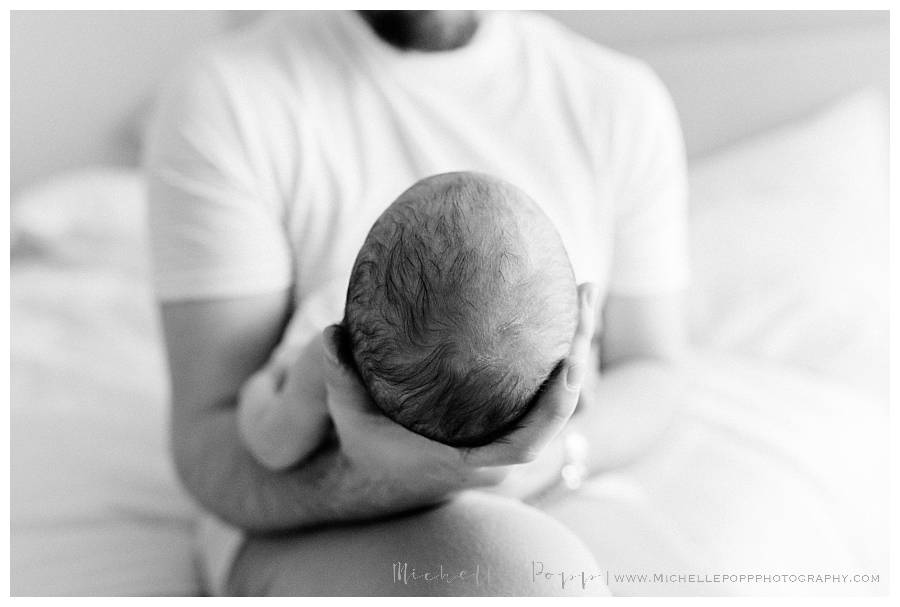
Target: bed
786,396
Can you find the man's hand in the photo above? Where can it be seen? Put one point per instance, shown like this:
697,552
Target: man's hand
423,470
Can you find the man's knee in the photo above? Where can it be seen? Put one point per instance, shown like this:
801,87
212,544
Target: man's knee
476,544
516,549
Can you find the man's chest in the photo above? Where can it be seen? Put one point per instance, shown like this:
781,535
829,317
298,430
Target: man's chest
363,154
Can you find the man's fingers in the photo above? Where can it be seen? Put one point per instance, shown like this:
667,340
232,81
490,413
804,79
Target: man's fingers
555,405
587,319
577,363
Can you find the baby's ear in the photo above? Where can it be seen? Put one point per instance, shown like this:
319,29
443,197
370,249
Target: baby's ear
343,346
337,339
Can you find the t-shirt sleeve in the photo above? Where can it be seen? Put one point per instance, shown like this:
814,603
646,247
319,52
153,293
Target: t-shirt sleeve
216,225
650,248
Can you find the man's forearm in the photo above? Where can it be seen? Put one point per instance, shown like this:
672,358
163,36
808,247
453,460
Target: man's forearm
226,480
627,409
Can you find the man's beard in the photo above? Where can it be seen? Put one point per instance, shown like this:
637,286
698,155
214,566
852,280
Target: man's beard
423,30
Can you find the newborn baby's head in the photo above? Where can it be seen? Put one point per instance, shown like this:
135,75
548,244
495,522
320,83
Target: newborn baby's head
461,303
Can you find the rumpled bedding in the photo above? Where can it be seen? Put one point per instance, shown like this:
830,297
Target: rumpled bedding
775,465
766,471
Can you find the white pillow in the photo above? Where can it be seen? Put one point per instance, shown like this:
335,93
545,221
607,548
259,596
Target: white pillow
93,216
790,245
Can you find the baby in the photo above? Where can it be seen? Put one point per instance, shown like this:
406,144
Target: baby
461,303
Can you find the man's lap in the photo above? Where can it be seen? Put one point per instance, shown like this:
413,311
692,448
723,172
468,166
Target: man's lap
476,544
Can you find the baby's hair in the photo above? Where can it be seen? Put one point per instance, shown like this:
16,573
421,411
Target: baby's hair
460,304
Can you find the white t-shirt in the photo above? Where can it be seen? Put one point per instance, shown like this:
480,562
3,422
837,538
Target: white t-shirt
273,151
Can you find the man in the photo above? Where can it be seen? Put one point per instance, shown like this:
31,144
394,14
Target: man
272,154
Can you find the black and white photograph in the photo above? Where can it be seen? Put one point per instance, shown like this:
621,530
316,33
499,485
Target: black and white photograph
449,303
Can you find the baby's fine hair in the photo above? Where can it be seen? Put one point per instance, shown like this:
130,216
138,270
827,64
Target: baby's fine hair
461,304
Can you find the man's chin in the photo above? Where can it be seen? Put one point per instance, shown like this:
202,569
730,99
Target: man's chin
423,30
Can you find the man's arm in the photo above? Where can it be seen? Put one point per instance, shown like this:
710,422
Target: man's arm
380,469
641,328
631,403
214,347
